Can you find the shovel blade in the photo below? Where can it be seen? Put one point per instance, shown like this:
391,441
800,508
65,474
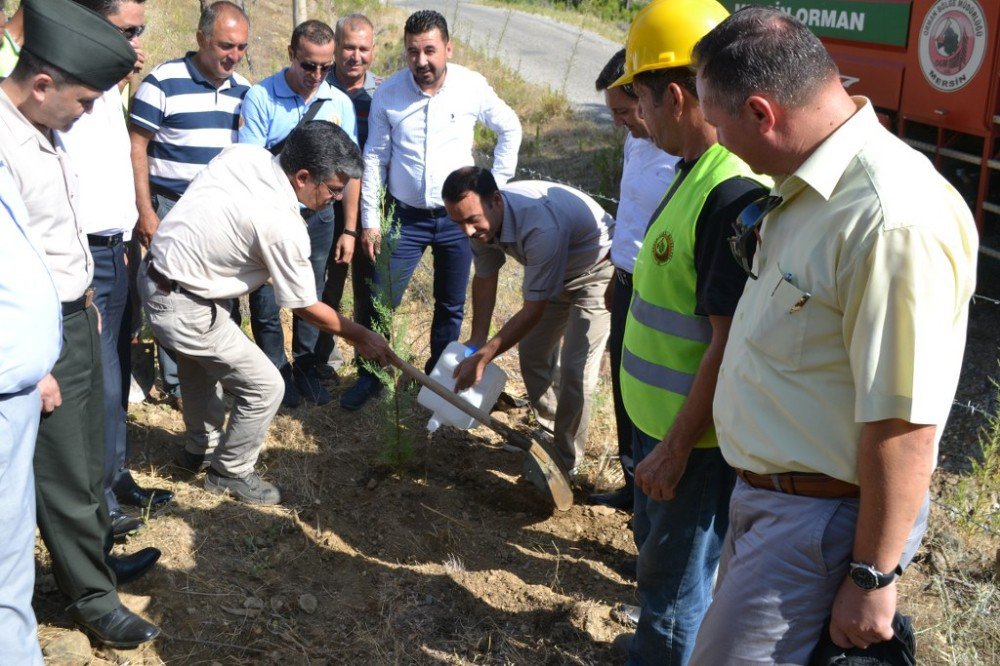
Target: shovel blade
543,473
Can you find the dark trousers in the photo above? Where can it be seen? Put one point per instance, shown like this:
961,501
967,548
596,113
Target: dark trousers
69,474
111,296
362,274
452,261
265,319
619,313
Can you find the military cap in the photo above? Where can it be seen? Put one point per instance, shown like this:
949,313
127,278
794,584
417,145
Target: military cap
78,41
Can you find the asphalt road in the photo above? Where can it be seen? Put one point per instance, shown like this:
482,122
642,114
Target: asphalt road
541,50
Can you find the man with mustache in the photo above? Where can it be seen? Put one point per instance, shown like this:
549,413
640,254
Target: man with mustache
420,130
272,109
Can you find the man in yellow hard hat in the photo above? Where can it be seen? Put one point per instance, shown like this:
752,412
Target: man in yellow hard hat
686,285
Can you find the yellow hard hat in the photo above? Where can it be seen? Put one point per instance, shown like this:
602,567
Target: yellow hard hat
664,33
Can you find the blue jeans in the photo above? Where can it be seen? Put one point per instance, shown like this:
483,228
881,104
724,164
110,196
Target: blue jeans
679,543
362,274
265,320
452,261
112,300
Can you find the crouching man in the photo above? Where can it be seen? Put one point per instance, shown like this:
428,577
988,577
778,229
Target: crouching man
237,226
563,239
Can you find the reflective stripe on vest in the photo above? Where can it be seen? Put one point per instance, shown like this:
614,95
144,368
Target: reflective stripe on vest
664,339
669,321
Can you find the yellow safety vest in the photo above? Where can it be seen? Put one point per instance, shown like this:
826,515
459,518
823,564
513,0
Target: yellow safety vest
664,338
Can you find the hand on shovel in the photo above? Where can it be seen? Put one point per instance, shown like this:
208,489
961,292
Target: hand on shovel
374,347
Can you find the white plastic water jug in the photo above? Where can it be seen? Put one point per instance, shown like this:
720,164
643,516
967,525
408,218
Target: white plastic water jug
483,395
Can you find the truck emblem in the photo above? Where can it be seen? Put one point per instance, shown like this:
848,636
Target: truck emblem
952,43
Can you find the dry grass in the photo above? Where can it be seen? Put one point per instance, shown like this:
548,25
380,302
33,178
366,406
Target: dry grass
446,559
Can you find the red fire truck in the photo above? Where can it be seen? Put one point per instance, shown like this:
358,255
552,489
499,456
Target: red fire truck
932,69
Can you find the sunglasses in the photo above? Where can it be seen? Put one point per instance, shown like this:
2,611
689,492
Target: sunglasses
747,223
133,32
313,67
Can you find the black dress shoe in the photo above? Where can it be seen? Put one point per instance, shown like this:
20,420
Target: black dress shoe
121,628
123,524
153,498
130,567
619,499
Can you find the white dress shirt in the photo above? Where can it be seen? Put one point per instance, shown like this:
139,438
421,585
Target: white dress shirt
646,175
99,146
419,139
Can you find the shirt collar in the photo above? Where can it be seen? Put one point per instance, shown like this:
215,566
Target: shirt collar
369,84
286,186
21,128
282,89
198,77
824,168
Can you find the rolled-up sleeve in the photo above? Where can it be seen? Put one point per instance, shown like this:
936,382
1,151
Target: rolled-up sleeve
499,117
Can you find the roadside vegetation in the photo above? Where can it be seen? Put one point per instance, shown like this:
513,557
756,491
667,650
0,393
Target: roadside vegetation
608,18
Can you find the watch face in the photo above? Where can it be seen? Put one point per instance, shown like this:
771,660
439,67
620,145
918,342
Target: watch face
864,578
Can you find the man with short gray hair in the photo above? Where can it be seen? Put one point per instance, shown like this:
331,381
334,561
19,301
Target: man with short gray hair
237,226
844,354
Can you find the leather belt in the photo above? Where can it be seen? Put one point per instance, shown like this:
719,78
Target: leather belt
418,213
162,282
82,303
801,483
105,241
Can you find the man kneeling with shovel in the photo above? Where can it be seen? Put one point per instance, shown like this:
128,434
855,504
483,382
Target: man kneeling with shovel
238,225
562,237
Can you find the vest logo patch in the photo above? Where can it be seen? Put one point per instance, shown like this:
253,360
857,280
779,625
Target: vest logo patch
663,248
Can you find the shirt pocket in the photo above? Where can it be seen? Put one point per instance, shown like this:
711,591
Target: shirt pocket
779,329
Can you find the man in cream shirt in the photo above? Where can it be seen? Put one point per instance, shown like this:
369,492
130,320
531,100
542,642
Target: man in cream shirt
844,353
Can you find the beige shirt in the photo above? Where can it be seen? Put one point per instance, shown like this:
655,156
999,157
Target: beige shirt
237,225
48,185
859,314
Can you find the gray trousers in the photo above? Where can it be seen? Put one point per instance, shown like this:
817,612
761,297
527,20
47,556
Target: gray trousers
212,353
19,414
783,560
561,381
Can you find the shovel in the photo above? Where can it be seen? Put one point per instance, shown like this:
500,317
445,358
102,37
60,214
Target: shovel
539,467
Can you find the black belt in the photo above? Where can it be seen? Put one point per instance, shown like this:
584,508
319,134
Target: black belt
105,241
624,277
164,192
82,303
418,213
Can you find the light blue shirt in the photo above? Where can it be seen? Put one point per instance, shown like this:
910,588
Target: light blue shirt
31,333
271,110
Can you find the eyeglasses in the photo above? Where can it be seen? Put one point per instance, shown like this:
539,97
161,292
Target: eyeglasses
336,193
133,32
744,243
313,67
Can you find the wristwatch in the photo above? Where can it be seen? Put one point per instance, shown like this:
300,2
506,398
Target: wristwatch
350,232
868,578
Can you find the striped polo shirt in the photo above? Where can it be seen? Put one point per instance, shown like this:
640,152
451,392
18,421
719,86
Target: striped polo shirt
191,120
